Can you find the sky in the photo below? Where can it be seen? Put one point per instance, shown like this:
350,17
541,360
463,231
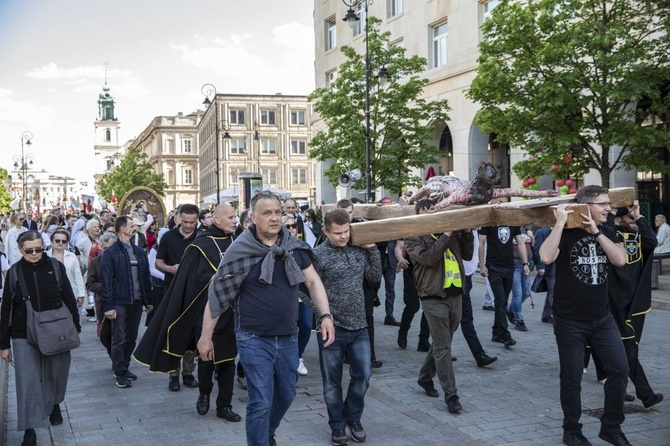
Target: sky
159,55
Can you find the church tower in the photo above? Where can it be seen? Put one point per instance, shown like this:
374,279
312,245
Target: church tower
107,148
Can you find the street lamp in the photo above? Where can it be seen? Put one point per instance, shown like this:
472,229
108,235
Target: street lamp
382,58
210,90
257,138
22,162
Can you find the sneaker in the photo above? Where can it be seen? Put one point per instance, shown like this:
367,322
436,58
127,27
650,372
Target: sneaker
339,437
130,375
488,308
453,405
189,381
242,381
510,317
227,414
91,319
520,326
56,418
122,380
508,341
356,430
173,384
496,338
616,438
575,439
302,370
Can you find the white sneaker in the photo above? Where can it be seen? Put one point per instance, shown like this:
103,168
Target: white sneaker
302,370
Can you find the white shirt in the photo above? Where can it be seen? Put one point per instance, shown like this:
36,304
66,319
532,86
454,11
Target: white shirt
663,237
73,271
12,244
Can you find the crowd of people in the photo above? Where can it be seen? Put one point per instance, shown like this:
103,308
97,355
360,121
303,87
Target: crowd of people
239,296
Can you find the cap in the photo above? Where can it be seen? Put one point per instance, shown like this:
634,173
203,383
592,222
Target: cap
137,222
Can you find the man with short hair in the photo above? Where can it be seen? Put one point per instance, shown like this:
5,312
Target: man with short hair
662,235
260,273
170,251
205,220
584,257
29,221
125,289
343,271
105,216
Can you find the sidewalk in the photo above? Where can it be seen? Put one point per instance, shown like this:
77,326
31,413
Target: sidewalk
513,402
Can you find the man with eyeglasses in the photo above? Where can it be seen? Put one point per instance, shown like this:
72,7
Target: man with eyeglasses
125,290
584,257
261,273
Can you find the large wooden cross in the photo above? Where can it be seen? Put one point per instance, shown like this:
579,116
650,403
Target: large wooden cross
391,222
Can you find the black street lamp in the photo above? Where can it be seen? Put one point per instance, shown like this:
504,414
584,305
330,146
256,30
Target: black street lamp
210,90
22,162
382,58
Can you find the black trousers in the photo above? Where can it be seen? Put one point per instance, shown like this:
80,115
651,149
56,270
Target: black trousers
412,306
468,322
501,281
370,291
225,379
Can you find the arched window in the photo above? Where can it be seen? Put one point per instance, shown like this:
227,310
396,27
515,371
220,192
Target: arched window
108,135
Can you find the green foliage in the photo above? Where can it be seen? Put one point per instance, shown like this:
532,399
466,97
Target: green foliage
5,198
133,171
400,120
557,76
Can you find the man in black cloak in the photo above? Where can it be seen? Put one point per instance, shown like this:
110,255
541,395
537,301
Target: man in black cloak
630,292
177,324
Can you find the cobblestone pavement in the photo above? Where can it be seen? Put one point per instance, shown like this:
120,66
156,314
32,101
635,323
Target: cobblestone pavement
512,402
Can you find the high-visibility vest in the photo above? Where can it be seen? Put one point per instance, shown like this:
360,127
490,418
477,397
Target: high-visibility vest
452,272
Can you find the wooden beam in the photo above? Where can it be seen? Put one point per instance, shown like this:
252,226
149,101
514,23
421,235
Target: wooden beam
538,212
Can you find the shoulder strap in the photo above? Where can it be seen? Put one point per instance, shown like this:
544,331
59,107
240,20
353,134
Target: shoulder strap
56,268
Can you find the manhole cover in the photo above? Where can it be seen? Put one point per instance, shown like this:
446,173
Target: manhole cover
627,409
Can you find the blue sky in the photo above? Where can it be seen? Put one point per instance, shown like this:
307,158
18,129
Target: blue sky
53,53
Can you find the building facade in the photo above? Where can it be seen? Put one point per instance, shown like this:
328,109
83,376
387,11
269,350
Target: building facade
447,35
171,144
265,134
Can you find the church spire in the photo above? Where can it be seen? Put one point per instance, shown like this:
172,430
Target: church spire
106,101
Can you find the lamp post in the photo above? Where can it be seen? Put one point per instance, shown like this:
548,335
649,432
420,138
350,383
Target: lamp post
351,18
257,138
22,162
210,90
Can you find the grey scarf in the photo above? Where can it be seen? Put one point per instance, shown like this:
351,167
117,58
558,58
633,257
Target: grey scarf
242,255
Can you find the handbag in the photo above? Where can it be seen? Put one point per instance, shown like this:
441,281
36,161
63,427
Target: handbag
539,284
50,331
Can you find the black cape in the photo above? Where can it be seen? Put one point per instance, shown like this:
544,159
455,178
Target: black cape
177,324
630,285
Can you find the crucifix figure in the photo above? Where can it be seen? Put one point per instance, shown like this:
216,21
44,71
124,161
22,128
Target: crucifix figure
447,190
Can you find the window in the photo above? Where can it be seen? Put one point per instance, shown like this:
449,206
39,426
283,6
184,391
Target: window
330,78
298,147
487,7
188,176
331,34
269,147
268,117
269,176
237,116
298,117
439,36
359,26
299,176
188,146
237,147
108,135
394,7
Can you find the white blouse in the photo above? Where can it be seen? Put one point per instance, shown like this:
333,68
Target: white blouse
73,271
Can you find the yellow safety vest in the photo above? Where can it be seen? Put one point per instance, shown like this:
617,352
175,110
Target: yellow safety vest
452,272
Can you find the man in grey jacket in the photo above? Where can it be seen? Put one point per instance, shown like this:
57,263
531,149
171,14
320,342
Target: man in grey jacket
343,270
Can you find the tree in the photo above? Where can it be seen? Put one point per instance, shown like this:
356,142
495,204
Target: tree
584,78
5,198
133,171
400,120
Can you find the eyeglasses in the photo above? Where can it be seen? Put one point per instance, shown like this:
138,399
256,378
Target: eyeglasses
21,219
60,241
33,250
291,226
605,204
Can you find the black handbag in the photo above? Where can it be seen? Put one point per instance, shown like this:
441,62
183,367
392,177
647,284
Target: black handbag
539,284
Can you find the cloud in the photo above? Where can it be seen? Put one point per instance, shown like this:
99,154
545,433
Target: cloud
15,111
295,36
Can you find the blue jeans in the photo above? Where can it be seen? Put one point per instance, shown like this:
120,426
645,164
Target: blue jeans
270,365
605,340
331,358
305,317
520,292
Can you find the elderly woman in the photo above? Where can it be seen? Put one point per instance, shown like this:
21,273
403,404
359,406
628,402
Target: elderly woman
11,245
59,240
41,381
94,285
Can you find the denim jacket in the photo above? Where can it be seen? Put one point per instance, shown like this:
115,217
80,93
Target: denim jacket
117,282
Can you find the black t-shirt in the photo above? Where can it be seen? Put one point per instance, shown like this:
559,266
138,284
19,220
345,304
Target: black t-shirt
269,309
582,270
171,249
499,245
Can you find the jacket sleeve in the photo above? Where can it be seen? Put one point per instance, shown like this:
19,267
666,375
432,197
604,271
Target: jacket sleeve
373,269
107,280
649,241
423,254
78,287
93,277
466,241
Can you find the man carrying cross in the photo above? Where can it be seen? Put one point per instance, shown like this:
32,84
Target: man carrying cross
583,259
